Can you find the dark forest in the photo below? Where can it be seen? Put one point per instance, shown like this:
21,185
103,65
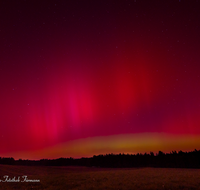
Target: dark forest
173,159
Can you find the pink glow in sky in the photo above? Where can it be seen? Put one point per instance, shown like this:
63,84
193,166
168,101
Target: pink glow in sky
99,71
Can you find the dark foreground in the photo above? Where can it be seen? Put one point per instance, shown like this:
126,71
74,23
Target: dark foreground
51,177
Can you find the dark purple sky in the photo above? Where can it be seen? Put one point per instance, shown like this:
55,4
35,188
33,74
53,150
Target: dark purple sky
73,70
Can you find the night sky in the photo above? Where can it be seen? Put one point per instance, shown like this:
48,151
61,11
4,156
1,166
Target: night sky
79,78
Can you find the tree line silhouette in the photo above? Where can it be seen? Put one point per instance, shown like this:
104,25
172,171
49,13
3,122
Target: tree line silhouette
169,160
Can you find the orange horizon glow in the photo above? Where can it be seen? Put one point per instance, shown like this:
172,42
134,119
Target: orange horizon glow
123,143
